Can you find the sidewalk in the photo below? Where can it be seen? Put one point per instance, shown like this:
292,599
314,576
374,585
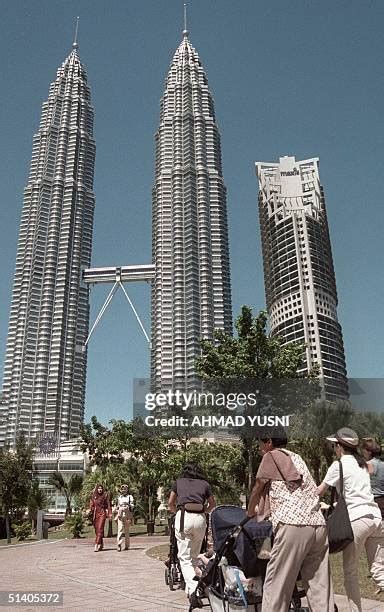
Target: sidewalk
108,580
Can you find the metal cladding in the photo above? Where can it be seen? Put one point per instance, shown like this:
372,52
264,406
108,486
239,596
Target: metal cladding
45,367
299,277
191,293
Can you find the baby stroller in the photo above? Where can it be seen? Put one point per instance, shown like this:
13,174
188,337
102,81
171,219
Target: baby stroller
173,575
233,579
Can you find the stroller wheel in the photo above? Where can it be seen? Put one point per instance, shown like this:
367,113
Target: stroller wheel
166,576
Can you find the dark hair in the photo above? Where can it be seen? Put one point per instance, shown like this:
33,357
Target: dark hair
371,446
356,454
277,442
192,470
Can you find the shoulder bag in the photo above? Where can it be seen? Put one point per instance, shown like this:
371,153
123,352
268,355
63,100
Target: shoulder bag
340,533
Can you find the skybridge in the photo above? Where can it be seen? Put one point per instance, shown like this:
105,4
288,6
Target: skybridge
118,275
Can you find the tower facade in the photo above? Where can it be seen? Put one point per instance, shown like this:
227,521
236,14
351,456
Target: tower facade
299,276
191,293
45,365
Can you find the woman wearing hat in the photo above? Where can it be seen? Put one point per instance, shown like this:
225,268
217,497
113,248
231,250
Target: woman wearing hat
124,515
364,513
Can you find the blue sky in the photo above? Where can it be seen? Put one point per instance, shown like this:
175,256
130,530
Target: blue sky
288,78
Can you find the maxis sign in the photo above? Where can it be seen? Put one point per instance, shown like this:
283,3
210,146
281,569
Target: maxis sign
293,172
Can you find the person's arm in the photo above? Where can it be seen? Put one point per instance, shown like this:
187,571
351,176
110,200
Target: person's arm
211,504
109,509
321,489
255,496
331,478
172,502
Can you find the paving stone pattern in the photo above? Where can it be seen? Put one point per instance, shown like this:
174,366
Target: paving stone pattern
109,580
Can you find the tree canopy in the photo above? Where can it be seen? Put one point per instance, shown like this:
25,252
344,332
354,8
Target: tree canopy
16,470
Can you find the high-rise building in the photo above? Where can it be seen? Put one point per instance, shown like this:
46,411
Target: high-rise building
191,293
299,276
45,366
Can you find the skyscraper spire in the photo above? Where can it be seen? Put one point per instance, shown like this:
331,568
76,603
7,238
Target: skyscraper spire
45,367
185,31
191,294
75,45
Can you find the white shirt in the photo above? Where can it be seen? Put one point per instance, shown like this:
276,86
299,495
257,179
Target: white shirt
125,500
357,488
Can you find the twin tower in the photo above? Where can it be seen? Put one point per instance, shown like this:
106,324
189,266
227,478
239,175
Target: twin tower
45,366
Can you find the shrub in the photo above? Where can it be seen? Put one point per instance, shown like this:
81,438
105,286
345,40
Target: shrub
22,530
74,523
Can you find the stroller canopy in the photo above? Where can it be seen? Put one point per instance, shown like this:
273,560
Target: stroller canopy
245,543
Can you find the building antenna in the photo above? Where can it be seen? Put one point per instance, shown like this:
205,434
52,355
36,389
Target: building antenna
75,45
185,32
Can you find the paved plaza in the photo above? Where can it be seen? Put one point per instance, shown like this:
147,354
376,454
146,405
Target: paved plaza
108,580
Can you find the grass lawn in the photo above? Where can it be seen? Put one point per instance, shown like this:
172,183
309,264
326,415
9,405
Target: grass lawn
367,587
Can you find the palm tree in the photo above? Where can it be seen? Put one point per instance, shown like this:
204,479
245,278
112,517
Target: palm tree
69,488
37,500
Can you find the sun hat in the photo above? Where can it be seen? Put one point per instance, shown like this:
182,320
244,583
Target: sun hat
346,437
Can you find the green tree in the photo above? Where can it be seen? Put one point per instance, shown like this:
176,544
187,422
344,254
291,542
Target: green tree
74,523
37,500
251,357
103,445
69,488
222,464
308,435
15,480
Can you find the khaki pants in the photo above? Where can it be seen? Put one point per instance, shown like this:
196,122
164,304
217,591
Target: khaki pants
369,533
123,525
297,549
189,545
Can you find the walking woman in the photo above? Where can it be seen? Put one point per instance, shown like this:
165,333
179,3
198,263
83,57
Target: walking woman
124,516
190,498
364,513
100,508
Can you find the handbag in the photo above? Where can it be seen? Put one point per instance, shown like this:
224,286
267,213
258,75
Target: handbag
340,533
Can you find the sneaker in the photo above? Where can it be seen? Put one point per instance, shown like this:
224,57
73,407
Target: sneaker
119,548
